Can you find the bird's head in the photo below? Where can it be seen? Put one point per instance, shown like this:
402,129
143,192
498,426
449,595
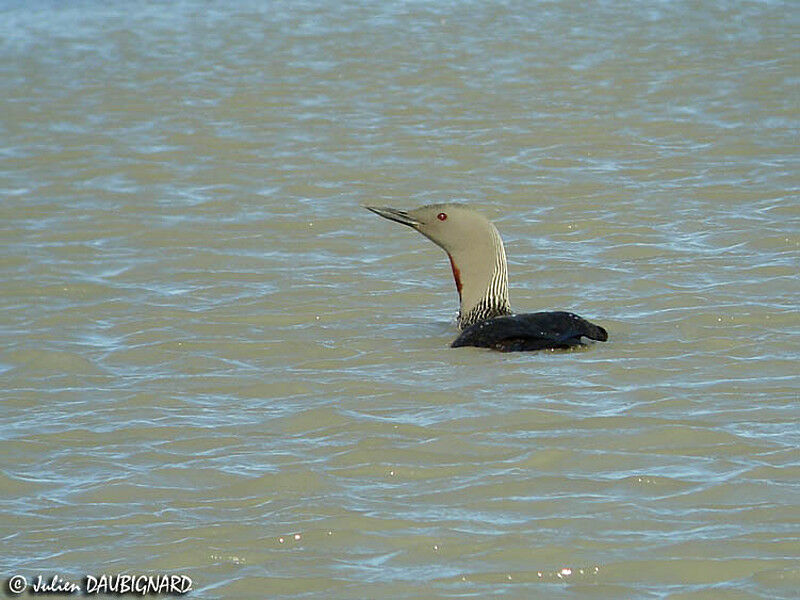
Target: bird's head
453,227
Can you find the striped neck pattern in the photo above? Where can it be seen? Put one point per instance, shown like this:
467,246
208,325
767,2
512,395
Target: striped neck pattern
494,301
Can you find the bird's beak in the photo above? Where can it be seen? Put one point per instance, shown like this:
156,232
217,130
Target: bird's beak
394,214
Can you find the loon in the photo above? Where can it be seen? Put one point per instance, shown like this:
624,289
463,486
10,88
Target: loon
478,261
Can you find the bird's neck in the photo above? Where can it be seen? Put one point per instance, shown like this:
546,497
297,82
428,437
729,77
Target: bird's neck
481,276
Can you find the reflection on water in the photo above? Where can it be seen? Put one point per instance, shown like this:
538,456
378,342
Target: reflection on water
216,363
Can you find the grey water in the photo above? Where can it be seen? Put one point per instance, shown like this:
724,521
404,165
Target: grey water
214,362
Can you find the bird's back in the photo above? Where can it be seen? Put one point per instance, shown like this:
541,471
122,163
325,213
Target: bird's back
531,331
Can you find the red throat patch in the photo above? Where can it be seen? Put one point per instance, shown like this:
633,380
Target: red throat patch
456,274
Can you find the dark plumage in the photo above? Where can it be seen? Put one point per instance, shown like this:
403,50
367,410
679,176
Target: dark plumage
531,331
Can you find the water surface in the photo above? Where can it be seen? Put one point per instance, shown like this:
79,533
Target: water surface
216,363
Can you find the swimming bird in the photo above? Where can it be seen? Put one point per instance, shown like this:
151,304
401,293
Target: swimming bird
478,261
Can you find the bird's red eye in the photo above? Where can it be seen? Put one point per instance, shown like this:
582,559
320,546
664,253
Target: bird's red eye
441,216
